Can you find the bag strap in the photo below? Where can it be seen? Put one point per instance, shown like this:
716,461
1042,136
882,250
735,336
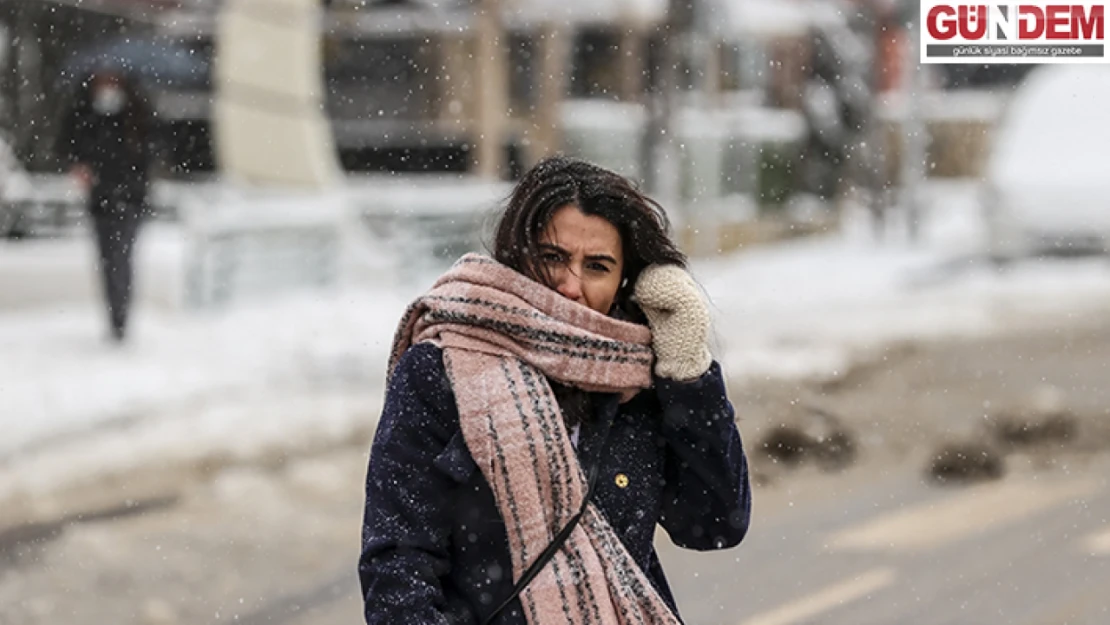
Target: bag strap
559,539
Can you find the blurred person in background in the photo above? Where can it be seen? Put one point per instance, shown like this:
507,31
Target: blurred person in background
547,408
105,138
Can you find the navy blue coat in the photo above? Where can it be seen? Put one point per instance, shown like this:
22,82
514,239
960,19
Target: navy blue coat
434,547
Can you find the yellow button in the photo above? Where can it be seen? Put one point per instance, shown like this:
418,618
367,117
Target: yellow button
622,480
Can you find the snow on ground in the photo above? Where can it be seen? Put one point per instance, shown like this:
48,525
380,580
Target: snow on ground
811,308
187,383
310,367
53,273
60,375
292,371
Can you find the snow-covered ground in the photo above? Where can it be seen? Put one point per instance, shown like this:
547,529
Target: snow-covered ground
813,307
310,367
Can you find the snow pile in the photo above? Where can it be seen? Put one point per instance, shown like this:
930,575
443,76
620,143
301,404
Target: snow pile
812,308
59,376
1055,131
59,273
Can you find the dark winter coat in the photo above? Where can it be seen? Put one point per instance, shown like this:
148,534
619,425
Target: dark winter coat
434,547
117,148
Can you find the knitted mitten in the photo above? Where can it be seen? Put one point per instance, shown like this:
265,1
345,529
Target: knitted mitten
679,321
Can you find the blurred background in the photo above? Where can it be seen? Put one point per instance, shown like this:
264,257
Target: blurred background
907,265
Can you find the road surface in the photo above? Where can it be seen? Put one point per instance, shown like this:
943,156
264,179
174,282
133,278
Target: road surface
878,542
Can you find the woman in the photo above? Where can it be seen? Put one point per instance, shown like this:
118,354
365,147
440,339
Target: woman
522,416
106,138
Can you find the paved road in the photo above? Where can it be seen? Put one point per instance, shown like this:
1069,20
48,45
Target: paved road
877,543
882,546
874,545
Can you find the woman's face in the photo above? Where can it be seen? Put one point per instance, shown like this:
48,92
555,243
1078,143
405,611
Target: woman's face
583,256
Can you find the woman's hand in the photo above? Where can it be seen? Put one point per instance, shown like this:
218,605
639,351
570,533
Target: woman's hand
679,320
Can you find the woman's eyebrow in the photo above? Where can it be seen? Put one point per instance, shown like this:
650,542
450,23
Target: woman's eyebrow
605,258
601,257
554,248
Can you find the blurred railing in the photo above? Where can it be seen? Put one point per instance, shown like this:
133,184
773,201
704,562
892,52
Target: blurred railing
255,244
425,222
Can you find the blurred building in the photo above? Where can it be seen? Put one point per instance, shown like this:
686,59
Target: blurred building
415,85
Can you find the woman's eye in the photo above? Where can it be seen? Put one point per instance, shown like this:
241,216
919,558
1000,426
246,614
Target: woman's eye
598,267
551,257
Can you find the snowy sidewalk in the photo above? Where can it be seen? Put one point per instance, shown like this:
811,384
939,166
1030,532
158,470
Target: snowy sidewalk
279,374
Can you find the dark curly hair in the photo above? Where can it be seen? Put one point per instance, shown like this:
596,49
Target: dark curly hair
557,181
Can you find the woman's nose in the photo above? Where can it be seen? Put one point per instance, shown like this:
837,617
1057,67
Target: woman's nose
570,285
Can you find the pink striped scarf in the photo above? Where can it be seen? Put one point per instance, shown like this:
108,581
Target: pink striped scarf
502,336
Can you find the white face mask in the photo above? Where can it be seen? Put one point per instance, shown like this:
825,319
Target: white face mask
109,100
